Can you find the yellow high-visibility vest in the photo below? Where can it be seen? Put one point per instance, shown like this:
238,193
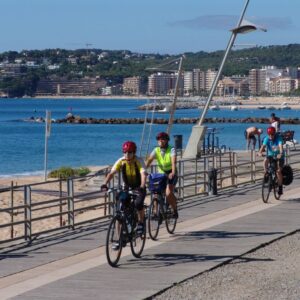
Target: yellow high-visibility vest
164,162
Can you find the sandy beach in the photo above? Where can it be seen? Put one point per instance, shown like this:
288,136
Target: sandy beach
252,102
44,192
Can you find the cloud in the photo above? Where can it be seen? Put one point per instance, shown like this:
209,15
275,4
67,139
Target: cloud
282,23
225,22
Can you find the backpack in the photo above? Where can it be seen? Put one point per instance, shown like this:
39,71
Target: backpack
157,182
287,174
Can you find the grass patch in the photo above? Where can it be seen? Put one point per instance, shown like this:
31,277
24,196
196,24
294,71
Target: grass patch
66,172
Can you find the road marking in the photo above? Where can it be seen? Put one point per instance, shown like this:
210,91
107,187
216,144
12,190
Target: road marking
25,281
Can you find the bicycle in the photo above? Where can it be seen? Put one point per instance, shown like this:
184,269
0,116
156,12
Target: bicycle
159,209
270,181
122,230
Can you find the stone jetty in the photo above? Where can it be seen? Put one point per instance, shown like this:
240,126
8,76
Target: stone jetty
81,120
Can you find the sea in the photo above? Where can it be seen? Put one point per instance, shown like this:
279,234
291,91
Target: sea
22,143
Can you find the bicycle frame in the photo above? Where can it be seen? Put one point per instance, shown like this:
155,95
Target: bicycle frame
270,180
124,216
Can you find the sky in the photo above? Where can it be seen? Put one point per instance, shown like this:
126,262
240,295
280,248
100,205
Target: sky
156,26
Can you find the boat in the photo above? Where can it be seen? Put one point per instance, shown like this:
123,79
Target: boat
261,107
166,109
284,106
233,107
271,108
215,107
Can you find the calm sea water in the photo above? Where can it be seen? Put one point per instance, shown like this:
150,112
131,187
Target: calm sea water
22,143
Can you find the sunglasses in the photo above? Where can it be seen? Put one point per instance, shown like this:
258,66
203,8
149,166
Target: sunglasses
127,152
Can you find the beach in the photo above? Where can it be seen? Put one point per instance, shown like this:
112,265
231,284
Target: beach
44,191
270,100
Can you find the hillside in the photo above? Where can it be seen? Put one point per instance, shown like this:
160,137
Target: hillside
116,65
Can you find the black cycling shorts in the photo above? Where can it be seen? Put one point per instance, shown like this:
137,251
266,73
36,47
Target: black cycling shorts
172,181
138,198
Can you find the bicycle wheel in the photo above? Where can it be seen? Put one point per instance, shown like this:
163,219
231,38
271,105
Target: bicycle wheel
275,188
114,238
170,220
137,241
153,220
266,187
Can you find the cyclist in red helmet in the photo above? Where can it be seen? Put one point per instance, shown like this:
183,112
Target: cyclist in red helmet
165,156
274,145
133,173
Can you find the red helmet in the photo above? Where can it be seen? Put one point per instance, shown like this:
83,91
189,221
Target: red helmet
271,130
162,136
129,147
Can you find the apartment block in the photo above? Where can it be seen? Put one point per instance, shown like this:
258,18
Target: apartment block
11,70
164,84
281,85
188,83
210,76
133,86
257,81
84,86
199,81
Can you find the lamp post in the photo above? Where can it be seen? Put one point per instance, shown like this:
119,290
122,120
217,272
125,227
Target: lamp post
198,131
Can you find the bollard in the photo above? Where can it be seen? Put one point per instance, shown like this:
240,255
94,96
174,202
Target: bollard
178,143
212,182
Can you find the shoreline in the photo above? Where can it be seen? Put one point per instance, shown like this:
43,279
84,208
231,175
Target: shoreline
252,100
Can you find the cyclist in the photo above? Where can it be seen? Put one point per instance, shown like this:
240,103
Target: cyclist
250,136
273,143
165,156
134,177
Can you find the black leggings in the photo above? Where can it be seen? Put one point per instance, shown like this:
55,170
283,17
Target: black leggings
138,198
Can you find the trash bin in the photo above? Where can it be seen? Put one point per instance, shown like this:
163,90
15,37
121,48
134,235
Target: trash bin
178,141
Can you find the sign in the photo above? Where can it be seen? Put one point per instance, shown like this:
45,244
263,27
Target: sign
48,123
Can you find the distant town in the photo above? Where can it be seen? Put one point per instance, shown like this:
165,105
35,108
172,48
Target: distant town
90,72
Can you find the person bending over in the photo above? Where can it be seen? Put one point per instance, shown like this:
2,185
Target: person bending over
273,144
250,134
165,156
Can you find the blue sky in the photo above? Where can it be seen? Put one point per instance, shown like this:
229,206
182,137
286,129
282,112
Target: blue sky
156,26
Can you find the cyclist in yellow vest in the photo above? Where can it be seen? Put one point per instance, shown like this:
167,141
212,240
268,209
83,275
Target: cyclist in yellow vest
165,156
134,177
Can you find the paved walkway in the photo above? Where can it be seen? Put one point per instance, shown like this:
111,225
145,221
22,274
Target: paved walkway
211,231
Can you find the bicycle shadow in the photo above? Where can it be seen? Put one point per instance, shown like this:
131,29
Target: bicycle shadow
162,260
294,200
210,234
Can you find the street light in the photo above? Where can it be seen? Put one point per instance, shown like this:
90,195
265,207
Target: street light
198,131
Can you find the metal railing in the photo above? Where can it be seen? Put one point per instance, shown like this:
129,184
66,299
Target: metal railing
29,211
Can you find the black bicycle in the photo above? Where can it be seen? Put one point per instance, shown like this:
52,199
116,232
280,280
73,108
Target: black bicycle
159,210
122,230
270,181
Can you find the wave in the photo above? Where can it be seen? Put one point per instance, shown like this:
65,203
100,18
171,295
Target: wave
25,174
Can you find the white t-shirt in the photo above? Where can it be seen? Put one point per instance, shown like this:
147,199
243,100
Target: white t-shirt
275,125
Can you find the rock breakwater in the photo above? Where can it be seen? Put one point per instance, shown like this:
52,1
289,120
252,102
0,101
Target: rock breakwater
80,120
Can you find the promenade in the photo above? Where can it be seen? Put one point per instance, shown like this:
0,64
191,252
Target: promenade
212,230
